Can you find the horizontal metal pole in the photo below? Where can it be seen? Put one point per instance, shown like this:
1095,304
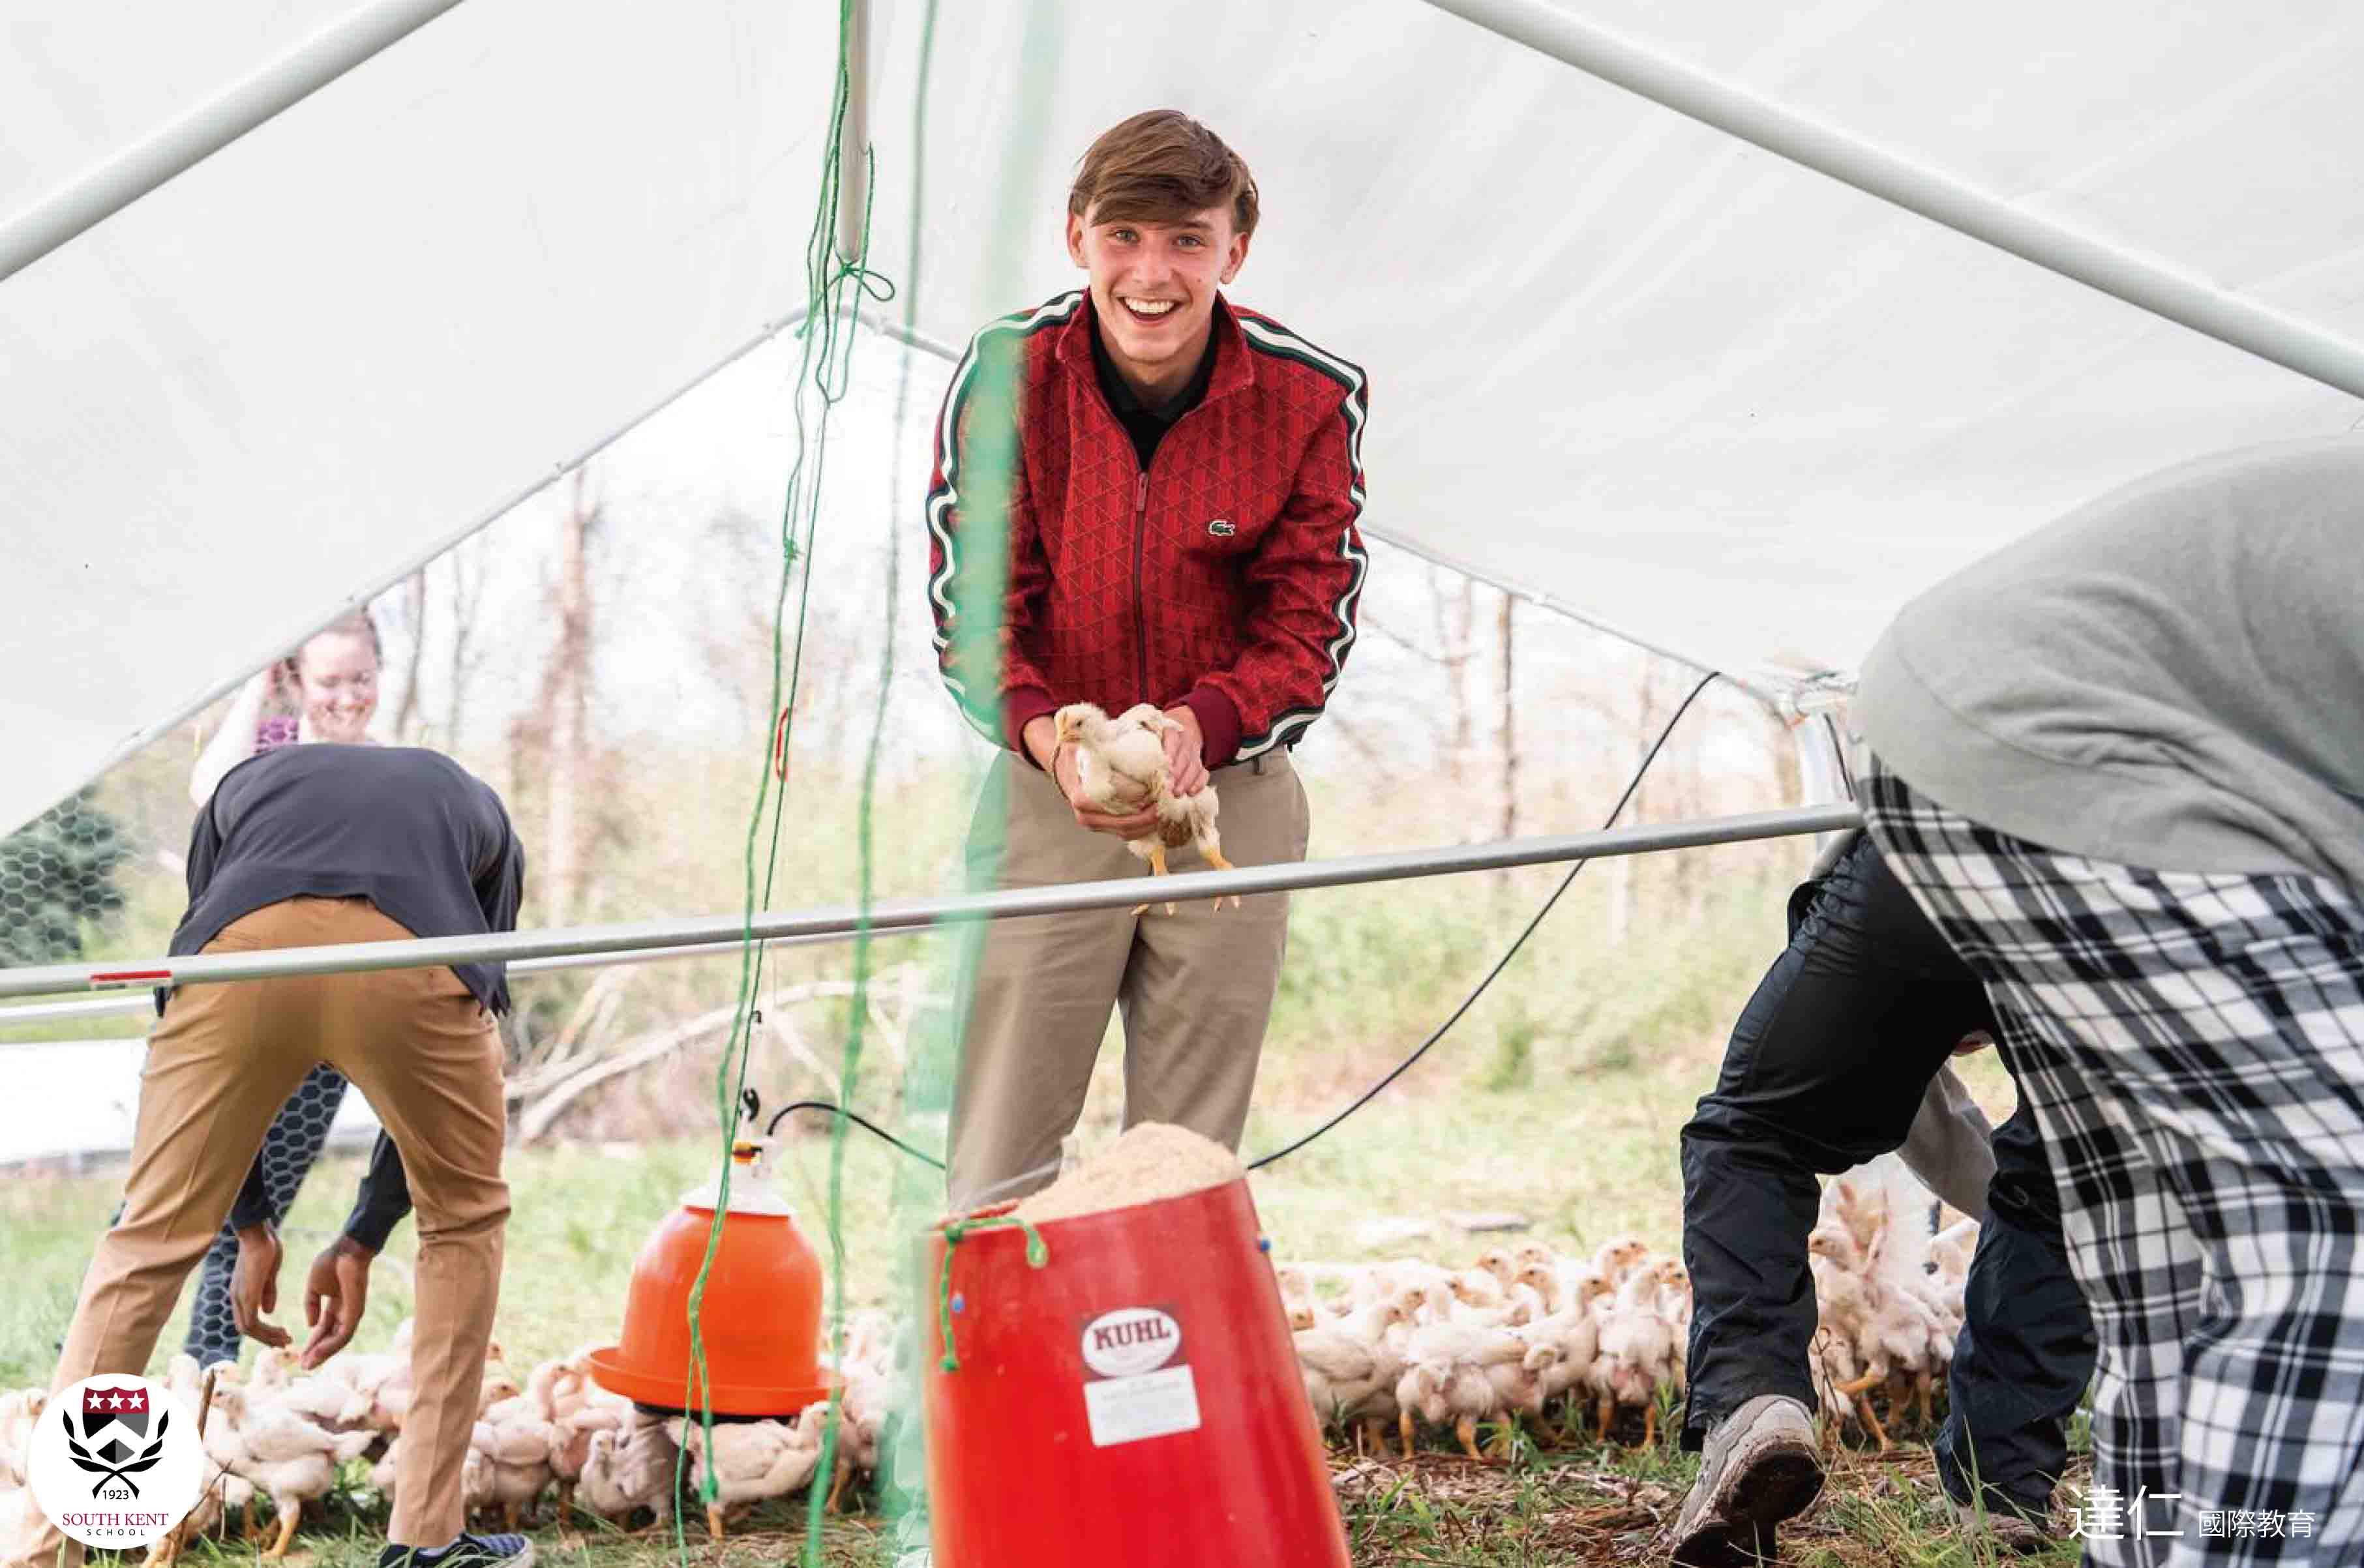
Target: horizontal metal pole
2116,269
525,969
904,915
97,194
81,1008
909,336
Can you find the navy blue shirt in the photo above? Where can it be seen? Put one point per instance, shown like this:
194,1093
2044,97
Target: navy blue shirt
410,831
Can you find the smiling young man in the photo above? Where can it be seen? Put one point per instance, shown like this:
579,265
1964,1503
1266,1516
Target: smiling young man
1182,532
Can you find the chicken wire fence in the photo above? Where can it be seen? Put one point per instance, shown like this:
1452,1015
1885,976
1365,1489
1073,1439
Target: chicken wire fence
58,880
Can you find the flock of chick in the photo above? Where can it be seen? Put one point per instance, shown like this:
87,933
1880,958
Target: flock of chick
284,1437
1404,1342
1529,1329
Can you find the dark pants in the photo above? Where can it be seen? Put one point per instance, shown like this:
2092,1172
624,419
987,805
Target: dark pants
2026,1347
1826,1069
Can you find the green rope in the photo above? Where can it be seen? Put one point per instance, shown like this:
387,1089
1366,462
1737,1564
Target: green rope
956,1231
825,367
857,1014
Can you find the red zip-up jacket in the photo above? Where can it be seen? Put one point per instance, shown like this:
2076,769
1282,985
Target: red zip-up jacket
1224,576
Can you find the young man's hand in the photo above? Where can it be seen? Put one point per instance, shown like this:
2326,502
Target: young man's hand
1042,738
336,1293
254,1285
1185,751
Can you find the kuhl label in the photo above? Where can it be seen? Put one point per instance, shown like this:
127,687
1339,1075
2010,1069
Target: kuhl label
1130,1341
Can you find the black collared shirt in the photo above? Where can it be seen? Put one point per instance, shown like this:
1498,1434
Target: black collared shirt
1146,425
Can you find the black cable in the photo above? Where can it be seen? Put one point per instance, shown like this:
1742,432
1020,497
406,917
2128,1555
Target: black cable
1401,1068
856,1117
1471,1001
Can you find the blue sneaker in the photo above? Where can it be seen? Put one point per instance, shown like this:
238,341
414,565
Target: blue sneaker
468,1552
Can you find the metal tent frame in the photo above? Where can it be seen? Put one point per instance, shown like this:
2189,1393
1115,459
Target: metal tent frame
2145,282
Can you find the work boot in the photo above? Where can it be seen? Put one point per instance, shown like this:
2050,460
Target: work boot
1760,1466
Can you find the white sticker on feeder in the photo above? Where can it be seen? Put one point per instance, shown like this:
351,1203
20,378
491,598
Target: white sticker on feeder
1132,1339
1154,1404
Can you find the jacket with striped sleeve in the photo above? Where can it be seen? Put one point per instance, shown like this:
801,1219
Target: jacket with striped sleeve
1224,576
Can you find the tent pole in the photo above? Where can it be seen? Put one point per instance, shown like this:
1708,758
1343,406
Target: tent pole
918,914
98,192
140,1002
853,165
2115,270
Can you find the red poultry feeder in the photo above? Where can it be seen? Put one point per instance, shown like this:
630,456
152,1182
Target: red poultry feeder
1136,1399
758,1320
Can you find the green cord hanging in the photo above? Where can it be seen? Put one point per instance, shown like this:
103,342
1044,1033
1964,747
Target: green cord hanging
955,1231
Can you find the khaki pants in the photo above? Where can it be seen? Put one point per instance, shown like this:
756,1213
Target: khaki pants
221,1062
1195,987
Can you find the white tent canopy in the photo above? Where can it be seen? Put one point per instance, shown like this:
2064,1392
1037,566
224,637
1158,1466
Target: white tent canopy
1617,358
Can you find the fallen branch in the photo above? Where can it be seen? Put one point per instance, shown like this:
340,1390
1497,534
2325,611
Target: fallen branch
551,1097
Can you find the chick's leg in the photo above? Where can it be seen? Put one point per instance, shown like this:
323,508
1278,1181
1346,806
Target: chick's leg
1157,867
1404,1419
289,1513
1466,1428
1215,860
1871,1422
714,1520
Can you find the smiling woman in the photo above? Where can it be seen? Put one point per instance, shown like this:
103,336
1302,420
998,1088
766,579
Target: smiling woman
332,684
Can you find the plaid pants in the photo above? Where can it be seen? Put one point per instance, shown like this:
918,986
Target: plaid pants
2192,1046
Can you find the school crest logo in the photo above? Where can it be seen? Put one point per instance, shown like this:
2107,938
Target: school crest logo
115,1462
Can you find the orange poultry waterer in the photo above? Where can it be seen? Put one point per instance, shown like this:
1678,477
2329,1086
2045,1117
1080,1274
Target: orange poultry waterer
758,1320
1133,1400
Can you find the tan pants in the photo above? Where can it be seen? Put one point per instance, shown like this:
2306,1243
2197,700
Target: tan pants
221,1062
1195,987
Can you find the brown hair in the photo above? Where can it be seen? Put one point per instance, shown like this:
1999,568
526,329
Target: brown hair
1158,166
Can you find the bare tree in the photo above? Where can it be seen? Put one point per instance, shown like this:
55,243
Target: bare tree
1456,615
559,724
466,577
1509,723
414,609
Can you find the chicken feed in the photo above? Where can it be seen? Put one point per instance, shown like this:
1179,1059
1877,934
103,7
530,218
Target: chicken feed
1154,1160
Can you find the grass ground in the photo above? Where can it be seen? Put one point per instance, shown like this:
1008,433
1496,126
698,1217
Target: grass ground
1583,1147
